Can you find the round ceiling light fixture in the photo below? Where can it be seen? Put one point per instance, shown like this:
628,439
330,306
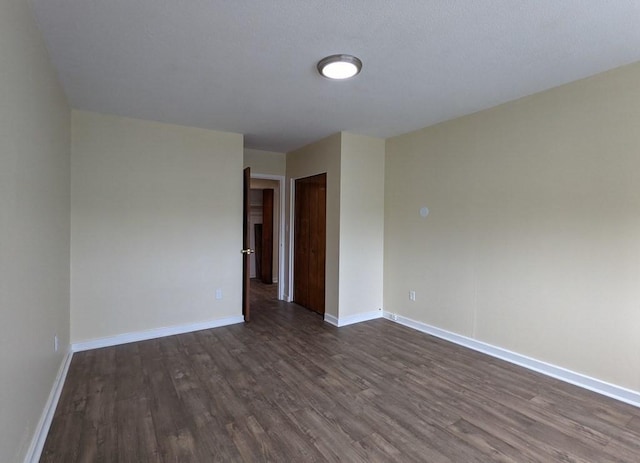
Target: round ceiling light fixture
339,67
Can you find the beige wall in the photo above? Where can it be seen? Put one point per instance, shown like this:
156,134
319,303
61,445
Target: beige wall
532,243
34,228
361,224
317,158
355,218
265,162
156,225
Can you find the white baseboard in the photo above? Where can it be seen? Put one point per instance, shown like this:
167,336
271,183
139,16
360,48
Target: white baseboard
577,379
351,319
153,334
330,319
42,429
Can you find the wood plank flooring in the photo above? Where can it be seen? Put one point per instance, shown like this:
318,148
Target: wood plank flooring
290,388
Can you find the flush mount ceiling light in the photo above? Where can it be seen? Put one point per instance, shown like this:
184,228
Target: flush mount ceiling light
339,66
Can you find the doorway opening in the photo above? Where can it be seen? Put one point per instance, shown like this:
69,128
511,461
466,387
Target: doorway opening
266,230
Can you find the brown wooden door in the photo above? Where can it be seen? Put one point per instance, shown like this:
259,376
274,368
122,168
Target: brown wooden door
310,242
246,246
266,256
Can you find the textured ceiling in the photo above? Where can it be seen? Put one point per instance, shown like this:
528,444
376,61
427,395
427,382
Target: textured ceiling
248,66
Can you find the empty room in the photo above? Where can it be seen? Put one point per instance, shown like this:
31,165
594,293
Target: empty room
290,231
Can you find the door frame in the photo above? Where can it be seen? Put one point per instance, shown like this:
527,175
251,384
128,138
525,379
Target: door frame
292,218
281,228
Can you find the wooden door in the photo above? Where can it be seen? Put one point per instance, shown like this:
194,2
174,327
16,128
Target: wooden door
266,256
310,242
246,245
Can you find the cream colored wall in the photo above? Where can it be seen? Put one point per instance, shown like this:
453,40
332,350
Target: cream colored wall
355,218
265,162
361,224
34,228
317,158
156,225
532,243
261,183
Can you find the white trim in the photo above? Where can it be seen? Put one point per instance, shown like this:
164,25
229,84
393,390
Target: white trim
282,193
281,239
152,334
331,319
292,217
577,379
351,319
42,429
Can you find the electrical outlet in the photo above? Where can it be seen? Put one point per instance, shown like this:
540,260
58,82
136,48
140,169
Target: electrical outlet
412,295
219,293
56,343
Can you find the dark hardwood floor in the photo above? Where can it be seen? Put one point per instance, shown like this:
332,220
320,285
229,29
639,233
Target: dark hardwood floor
288,387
